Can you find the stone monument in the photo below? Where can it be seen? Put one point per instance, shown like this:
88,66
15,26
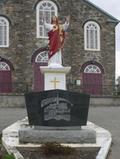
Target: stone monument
55,114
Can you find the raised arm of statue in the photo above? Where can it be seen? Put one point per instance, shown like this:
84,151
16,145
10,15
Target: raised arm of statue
66,24
47,26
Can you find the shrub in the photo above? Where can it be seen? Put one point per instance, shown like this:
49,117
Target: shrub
53,148
7,156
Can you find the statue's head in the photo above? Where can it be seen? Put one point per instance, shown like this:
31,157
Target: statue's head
54,20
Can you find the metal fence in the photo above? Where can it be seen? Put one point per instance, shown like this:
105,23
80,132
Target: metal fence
90,89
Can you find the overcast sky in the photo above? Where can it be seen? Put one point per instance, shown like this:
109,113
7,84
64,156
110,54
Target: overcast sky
113,8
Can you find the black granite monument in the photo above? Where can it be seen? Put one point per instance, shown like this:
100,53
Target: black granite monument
57,108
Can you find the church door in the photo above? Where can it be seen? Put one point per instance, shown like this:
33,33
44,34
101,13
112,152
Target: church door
92,80
40,60
5,78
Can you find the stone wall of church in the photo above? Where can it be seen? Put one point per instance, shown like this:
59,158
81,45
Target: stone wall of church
106,56
23,41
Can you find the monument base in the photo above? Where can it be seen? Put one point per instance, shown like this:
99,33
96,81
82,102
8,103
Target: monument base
55,134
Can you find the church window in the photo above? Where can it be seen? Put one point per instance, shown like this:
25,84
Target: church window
42,57
92,36
4,66
92,69
45,9
4,32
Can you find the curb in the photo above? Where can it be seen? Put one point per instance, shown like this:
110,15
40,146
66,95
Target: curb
10,139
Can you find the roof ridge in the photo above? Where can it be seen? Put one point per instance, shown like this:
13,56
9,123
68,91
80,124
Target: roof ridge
102,10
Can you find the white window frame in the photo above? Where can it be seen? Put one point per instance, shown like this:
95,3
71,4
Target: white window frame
88,45
42,57
92,69
45,9
4,25
4,66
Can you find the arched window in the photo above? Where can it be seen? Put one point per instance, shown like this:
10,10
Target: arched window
92,69
4,32
92,36
42,57
4,66
45,9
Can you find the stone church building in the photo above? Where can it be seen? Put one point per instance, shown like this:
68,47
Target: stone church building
89,45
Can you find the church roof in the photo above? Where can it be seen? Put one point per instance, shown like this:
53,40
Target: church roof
113,19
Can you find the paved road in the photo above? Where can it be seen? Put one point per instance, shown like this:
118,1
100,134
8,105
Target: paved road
108,118
10,115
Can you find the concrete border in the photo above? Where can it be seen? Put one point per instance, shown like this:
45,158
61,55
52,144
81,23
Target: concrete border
10,139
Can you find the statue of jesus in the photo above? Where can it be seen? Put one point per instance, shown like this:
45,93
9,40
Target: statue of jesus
56,34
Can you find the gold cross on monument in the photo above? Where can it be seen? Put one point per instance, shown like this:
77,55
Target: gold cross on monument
55,82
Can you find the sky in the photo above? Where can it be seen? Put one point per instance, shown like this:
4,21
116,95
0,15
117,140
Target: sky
113,8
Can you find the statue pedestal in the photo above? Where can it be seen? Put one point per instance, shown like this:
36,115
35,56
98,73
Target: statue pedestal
55,77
